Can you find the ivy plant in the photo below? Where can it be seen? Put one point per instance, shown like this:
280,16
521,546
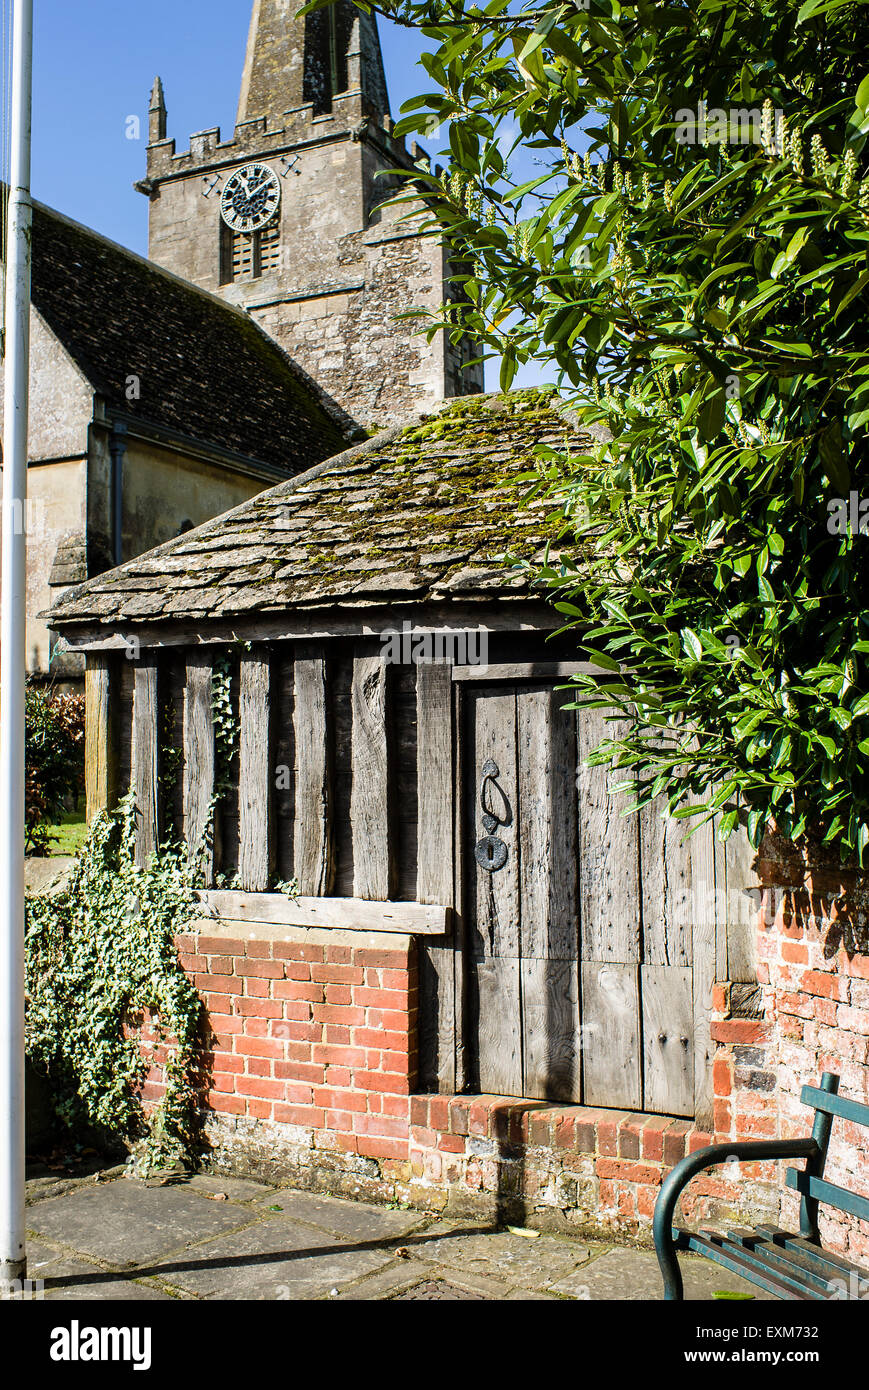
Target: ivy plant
100,956
689,262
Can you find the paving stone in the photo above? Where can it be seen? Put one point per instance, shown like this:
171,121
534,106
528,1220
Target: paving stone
439,1290
499,1254
274,1259
634,1275
126,1223
394,1278
358,1220
235,1189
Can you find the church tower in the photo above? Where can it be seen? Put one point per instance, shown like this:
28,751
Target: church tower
285,219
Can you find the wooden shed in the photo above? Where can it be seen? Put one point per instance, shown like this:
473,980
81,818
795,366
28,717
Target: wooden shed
349,681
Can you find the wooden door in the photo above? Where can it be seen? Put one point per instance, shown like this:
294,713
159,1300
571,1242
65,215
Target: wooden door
521,886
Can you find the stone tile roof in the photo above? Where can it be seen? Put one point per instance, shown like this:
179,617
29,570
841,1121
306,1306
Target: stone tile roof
206,370
431,511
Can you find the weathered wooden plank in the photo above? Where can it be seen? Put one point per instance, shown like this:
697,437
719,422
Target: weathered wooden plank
283,792
667,887
525,670
357,914
609,853
369,794
546,762
144,760
704,956
668,1048
434,874
495,895
312,858
254,778
611,1062
499,1031
550,1029
523,615
739,901
199,764
101,753
457,1049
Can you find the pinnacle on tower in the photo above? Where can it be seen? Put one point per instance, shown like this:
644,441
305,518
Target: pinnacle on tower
292,61
157,113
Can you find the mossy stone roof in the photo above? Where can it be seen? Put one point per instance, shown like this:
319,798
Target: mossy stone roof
436,510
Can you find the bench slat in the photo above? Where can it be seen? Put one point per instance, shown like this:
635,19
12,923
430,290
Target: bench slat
828,1192
761,1258
831,1104
735,1261
780,1258
822,1258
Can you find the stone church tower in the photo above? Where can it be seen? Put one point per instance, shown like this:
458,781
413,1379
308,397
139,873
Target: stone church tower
285,218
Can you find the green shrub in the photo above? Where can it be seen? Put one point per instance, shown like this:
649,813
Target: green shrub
54,754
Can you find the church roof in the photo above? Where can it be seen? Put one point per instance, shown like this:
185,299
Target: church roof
205,370
436,510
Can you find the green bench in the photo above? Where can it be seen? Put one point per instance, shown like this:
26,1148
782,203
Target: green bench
788,1266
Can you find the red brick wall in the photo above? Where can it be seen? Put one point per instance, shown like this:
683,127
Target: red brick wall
312,1067
316,1031
811,1015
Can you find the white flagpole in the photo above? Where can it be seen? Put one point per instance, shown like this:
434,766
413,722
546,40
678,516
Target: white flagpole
12,656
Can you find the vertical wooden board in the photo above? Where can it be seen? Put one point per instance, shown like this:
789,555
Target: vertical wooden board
667,887
340,692
435,876
283,792
499,1027
101,759
495,900
144,760
199,764
254,777
740,906
434,784
550,1029
668,1043
403,782
703,976
610,1036
608,851
462,1035
546,831
369,794
312,829
125,727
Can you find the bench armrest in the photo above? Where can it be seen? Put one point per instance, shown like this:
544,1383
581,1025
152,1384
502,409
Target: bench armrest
753,1150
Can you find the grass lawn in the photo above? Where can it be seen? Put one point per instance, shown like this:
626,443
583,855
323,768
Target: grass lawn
71,833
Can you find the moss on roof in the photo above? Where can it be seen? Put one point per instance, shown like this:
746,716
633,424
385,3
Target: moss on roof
438,510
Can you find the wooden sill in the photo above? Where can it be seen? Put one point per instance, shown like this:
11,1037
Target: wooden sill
345,914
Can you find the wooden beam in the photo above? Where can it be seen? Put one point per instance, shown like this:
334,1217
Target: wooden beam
369,799
312,819
254,777
525,671
505,613
411,919
435,873
434,780
144,759
101,753
199,763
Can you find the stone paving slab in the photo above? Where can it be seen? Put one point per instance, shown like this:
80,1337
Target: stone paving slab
214,1238
127,1222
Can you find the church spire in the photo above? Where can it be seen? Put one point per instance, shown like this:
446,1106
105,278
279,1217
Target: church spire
292,61
157,113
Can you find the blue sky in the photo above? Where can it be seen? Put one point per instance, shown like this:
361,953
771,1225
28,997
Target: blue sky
94,64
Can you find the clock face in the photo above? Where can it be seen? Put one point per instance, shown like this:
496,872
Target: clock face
251,198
